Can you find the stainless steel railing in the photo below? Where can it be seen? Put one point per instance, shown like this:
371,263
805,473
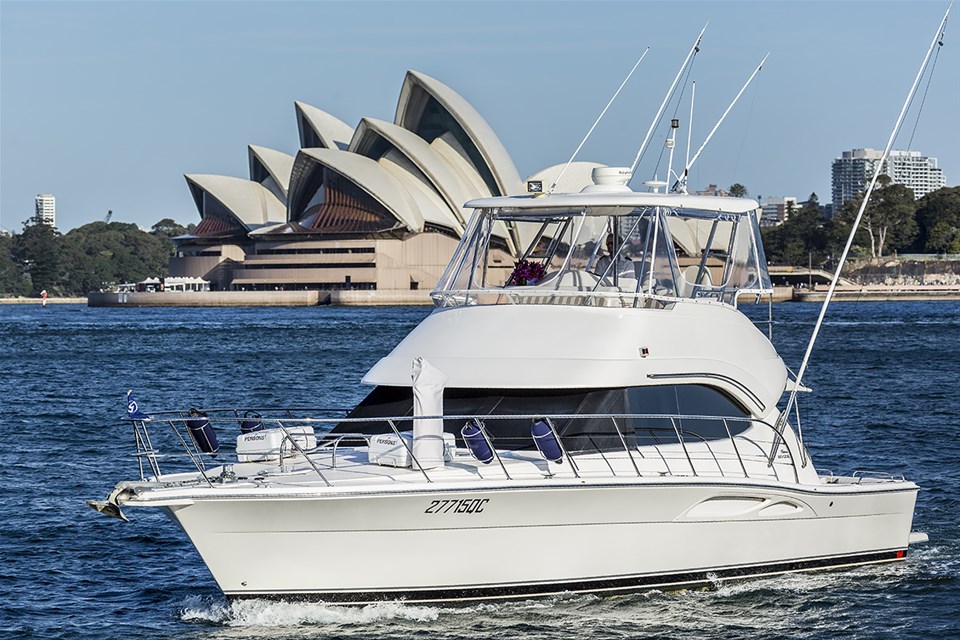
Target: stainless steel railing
674,440
575,296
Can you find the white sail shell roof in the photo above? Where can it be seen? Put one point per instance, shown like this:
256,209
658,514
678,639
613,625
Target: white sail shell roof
381,184
417,85
431,205
332,132
448,183
277,163
250,202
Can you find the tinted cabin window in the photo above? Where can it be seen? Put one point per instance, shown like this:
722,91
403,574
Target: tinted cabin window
691,400
579,434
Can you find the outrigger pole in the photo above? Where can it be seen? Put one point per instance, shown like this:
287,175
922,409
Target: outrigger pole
686,162
681,182
602,113
643,146
937,39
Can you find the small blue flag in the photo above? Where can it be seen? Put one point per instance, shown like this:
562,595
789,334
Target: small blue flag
133,409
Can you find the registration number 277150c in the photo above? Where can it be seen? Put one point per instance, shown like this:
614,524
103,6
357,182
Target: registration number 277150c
457,506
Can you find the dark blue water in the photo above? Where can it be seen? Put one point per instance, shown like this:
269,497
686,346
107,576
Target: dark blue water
885,380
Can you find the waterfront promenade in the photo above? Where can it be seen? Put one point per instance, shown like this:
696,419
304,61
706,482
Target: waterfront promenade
874,293
850,293
23,300
258,298
869,293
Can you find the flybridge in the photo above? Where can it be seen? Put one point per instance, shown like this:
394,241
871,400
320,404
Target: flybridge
607,247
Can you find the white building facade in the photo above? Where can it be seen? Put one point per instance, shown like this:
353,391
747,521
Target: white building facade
46,208
776,210
378,206
853,169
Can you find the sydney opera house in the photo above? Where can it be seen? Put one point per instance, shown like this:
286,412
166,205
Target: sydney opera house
376,207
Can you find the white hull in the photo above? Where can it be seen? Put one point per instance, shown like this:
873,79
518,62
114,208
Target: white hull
634,426
524,540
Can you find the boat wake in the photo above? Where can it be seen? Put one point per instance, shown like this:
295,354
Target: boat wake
269,613
765,607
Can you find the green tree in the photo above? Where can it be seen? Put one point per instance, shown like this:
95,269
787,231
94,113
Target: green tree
889,221
100,253
804,235
13,279
842,220
737,190
938,218
39,250
942,238
168,228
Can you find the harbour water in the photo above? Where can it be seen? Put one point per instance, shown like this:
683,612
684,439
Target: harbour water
885,399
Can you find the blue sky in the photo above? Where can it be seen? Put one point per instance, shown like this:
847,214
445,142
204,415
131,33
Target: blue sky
107,104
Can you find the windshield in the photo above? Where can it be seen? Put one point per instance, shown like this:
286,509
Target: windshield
645,256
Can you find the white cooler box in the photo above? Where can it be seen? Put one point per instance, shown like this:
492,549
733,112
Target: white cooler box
387,449
264,445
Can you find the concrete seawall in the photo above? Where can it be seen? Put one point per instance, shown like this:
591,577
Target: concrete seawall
22,300
258,298
879,294
210,299
397,298
380,298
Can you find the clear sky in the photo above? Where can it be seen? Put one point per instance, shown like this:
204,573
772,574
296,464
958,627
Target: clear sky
107,104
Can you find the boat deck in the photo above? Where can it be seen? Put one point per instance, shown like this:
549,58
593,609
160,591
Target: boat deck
350,471
752,453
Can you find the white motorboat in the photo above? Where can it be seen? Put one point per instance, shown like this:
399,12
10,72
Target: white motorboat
574,422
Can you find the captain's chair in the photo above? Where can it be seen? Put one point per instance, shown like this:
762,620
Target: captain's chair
689,284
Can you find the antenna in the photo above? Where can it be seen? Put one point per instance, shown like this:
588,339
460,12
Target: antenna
602,113
856,224
671,144
693,92
643,146
683,178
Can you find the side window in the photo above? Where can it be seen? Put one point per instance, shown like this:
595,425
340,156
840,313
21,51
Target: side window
675,401
588,433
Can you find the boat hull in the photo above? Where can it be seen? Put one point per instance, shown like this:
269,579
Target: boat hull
430,545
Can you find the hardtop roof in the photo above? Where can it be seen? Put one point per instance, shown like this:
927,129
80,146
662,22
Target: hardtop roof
626,199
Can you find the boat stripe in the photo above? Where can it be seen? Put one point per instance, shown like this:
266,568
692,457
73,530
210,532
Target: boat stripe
322,494
610,586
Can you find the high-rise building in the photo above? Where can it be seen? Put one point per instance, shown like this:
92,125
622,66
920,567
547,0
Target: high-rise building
776,210
854,169
47,209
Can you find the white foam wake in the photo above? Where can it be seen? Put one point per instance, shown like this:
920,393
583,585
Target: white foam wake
267,613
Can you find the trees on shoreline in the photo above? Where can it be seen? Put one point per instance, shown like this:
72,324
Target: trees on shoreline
85,259
893,222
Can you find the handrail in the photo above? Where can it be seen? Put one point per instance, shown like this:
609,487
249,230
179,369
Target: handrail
673,423
335,443
626,448
410,417
296,445
327,441
409,448
516,295
736,450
